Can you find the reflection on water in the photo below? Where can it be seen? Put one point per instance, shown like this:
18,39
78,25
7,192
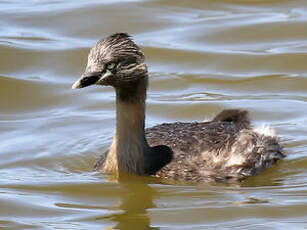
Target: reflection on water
136,199
203,56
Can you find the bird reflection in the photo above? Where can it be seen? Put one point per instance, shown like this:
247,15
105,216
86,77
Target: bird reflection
137,197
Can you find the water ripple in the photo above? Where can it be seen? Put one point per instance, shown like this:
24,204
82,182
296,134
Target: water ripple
203,56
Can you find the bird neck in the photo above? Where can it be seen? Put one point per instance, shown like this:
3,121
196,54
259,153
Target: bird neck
129,143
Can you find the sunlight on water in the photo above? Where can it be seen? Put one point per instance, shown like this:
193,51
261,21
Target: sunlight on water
203,56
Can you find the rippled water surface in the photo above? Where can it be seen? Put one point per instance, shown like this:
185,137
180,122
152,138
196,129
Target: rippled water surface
203,56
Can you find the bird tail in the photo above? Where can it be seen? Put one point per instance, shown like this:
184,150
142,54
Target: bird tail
237,116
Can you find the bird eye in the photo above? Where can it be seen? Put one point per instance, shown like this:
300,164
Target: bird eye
110,66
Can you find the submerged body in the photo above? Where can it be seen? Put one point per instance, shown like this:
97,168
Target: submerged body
224,149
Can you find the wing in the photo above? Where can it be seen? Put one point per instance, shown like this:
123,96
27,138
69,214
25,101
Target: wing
214,151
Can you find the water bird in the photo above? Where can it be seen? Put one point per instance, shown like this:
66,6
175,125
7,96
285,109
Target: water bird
227,148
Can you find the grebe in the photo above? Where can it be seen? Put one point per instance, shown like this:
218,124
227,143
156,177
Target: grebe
224,149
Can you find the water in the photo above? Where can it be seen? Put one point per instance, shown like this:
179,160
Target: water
203,56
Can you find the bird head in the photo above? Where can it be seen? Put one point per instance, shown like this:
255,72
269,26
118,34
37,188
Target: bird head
115,60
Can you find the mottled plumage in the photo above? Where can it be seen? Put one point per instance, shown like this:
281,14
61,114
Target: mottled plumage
224,149
214,151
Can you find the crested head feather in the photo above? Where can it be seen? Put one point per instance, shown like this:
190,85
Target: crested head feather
117,47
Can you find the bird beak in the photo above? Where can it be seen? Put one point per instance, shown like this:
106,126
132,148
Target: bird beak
87,79
77,84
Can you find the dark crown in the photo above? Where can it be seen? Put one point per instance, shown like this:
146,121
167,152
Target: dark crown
117,47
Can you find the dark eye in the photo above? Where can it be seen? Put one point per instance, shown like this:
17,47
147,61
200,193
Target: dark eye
110,66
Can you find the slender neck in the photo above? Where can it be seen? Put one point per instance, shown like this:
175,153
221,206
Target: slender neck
129,143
